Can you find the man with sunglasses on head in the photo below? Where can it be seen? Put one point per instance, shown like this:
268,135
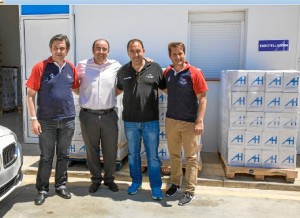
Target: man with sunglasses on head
140,81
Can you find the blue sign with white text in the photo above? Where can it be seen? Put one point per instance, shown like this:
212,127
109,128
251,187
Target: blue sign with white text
273,45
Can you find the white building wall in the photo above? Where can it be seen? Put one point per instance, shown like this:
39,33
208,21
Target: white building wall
157,25
272,22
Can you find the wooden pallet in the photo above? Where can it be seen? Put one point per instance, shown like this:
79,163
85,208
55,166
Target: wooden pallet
20,108
7,110
259,173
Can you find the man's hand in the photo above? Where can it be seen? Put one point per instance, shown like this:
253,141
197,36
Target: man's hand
36,127
199,128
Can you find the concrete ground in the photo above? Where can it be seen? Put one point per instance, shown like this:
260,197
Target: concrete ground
212,173
210,202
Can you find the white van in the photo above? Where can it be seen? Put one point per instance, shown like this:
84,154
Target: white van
11,161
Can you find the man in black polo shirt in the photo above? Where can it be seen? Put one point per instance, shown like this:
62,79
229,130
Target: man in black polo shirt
140,80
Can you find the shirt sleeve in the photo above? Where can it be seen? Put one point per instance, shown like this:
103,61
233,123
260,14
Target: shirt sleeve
34,80
76,79
199,84
119,80
162,81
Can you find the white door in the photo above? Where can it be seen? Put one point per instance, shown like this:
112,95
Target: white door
36,32
215,44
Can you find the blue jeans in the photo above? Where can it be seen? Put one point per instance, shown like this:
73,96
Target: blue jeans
56,135
149,132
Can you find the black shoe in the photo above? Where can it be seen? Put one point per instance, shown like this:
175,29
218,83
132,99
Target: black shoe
63,192
112,186
40,199
93,187
172,190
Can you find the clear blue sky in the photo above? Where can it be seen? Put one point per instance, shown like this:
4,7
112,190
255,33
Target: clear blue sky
210,2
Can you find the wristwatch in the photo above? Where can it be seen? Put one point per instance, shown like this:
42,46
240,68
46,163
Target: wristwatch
32,118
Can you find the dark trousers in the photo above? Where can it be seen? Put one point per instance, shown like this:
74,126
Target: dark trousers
56,135
100,130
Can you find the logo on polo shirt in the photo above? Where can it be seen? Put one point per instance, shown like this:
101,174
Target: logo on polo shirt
126,78
150,76
69,76
182,81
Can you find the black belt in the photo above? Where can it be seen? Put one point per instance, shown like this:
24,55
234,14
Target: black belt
100,112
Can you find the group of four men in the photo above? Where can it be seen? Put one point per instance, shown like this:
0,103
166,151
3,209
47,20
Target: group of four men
98,81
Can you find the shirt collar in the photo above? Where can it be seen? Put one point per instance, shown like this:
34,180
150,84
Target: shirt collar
187,65
50,60
108,61
147,64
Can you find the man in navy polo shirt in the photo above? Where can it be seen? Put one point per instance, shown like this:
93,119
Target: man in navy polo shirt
184,119
52,80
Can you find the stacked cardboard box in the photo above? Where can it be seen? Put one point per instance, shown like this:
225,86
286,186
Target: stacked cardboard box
259,118
10,88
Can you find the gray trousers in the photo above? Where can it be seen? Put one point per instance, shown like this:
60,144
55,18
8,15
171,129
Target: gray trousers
100,129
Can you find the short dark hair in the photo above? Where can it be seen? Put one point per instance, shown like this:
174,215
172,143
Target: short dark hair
135,40
60,37
174,45
100,40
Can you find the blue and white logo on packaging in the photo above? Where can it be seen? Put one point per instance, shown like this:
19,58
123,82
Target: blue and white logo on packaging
275,102
292,103
290,123
292,83
258,121
274,123
239,157
163,153
274,81
254,159
272,159
277,81
72,149
240,81
239,139
273,140
255,140
240,121
290,159
289,141
258,101
163,98
258,81
241,101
